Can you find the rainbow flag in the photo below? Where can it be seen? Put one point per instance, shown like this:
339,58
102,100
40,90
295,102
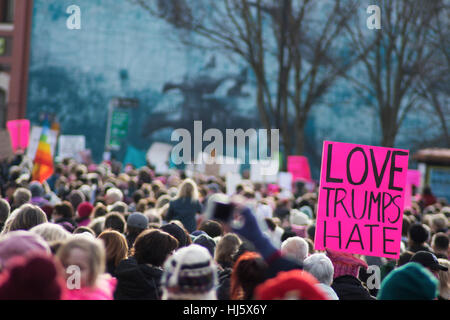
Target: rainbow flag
43,160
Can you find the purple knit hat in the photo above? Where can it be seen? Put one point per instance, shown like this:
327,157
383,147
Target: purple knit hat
345,263
20,243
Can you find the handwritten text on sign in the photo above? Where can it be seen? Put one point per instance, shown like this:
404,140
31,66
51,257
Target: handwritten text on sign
361,199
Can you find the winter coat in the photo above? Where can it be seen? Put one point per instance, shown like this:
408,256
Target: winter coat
350,288
137,281
104,290
184,209
223,291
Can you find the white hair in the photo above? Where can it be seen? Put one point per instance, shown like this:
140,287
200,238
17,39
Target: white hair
321,267
296,248
51,232
113,195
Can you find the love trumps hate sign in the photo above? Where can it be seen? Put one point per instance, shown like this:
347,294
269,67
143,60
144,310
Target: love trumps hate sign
361,198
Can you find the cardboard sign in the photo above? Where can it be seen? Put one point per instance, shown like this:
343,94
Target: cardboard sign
19,131
35,136
6,150
412,179
70,146
158,155
361,198
298,166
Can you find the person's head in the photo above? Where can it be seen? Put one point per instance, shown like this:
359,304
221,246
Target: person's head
206,241
418,234
20,243
287,234
113,195
188,189
153,216
345,264
440,243
404,258
63,210
311,231
84,210
84,229
439,222
5,210
115,221
75,198
177,232
409,282
86,253
21,196
27,217
97,225
226,248
153,247
190,274
212,228
36,189
51,232
295,247
429,261
405,225
290,285
136,223
321,267
444,279
116,246
248,272
99,210
119,206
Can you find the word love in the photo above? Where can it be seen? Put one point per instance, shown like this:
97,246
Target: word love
361,199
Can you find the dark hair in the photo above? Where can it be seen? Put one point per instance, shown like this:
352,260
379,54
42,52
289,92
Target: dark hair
138,195
99,210
405,225
115,221
441,241
270,224
404,258
64,209
27,217
248,272
153,246
418,233
212,228
5,209
311,231
287,234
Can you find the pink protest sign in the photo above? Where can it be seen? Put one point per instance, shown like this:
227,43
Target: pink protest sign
361,198
19,131
298,166
412,180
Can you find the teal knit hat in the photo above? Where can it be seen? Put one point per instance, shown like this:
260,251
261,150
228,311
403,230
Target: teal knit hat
411,281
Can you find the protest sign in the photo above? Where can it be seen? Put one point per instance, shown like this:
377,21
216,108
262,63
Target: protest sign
6,150
298,166
412,180
262,171
35,136
233,180
70,146
158,155
361,198
19,131
285,180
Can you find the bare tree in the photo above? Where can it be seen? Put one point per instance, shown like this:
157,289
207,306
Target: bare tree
300,40
395,66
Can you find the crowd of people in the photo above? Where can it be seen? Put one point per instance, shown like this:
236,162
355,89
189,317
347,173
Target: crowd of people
103,232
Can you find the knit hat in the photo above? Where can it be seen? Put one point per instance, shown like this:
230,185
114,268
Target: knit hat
206,241
299,218
20,243
345,263
85,209
307,210
35,277
411,281
190,274
137,220
290,285
177,232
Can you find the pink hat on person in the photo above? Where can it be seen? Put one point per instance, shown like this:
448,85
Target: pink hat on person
20,243
345,263
84,209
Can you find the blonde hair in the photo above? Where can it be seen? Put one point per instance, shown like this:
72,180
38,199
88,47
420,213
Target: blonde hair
27,217
444,279
188,189
51,232
116,246
95,250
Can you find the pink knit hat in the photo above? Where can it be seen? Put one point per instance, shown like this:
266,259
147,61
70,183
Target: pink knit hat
345,263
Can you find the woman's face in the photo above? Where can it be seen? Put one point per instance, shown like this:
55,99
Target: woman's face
80,258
